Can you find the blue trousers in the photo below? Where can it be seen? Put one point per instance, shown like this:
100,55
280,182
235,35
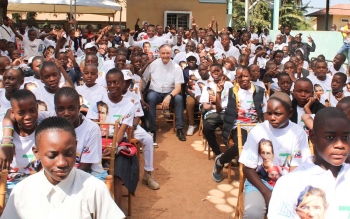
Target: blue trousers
154,98
345,47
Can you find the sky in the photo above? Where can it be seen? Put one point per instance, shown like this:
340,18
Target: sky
320,4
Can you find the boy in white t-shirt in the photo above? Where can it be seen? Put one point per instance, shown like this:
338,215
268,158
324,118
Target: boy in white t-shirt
321,77
214,100
319,188
120,109
255,75
230,67
267,155
337,64
337,93
285,84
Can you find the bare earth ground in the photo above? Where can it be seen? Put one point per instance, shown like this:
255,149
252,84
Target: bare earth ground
186,187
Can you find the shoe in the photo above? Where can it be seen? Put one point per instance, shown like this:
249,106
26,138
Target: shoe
150,181
180,135
153,134
217,175
190,130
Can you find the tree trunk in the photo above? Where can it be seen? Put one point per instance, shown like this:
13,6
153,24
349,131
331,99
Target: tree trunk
3,9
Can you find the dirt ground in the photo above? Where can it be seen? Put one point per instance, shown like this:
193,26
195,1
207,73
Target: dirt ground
186,187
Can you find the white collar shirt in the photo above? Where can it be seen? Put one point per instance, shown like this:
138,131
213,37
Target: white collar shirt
80,195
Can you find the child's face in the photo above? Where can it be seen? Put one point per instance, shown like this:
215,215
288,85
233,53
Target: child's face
63,59
91,60
277,114
200,48
15,54
10,47
203,72
191,62
120,61
144,59
338,60
278,58
255,73
32,35
332,140
36,65
321,69
302,92
230,64
11,80
56,149
136,62
337,84
115,84
25,113
112,52
183,65
66,107
216,73
243,78
90,75
285,83
289,68
50,76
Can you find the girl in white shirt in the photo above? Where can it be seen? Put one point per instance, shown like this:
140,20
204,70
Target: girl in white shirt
320,187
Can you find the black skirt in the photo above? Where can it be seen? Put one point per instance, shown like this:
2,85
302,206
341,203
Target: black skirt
127,169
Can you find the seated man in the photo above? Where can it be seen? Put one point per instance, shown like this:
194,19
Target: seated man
251,109
214,100
165,87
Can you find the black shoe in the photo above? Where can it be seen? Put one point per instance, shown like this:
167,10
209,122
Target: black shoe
154,139
180,135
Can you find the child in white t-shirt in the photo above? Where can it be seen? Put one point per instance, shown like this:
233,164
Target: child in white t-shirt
255,75
285,83
33,82
90,87
319,188
120,109
50,74
321,77
337,93
61,190
267,142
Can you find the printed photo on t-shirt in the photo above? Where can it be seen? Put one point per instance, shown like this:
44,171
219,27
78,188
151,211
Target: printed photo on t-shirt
30,86
42,106
318,91
312,203
247,112
102,108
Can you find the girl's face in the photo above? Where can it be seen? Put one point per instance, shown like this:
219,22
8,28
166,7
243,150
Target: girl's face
90,75
25,112
311,207
66,107
50,76
115,84
11,80
277,115
278,58
36,65
289,68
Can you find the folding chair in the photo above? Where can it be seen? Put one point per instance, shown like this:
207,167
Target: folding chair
3,181
107,143
134,141
240,200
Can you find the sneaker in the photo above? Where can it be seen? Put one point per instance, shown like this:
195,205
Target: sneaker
153,134
217,175
150,181
190,130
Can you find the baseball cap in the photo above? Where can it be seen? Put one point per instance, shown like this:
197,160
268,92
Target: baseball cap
190,54
90,45
127,74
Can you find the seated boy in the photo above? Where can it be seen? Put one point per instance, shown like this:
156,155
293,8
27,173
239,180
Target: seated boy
255,75
214,100
285,84
267,151
337,93
321,77
246,104
61,190
319,187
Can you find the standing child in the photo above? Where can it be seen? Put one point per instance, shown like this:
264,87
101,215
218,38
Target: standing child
61,190
287,154
319,187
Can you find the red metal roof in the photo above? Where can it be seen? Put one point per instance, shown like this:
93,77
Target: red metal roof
340,9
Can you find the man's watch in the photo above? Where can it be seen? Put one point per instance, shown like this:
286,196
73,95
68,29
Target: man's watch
172,96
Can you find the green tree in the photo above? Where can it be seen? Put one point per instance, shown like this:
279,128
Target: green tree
261,15
238,21
292,15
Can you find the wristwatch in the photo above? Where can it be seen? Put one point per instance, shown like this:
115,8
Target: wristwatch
172,96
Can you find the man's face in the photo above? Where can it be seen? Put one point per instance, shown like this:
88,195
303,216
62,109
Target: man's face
47,29
191,62
146,48
22,27
151,32
252,29
102,113
297,38
285,50
321,69
190,47
287,30
225,40
117,30
120,61
165,54
160,30
30,23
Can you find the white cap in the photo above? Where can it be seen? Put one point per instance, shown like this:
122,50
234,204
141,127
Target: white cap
30,60
259,46
90,45
190,54
127,74
300,49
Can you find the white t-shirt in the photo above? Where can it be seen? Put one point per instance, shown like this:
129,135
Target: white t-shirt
89,145
218,52
230,74
181,48
24,158
331,69
33,48
290,148
124,110
45,97
135,99
210,90
155,42
31,83
198,87
232,52
164,76
89,92
288,198
301,112
4,105
330,98
259,83
326,84
80,195
181,56
246,112
195,73
259,61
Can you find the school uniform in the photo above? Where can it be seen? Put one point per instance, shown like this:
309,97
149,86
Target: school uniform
80,195
289,193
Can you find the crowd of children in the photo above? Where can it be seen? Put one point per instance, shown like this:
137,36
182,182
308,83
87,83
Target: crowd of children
57,84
